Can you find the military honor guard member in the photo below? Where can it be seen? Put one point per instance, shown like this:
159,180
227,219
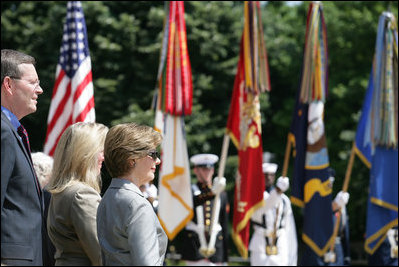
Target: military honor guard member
274,240
200,243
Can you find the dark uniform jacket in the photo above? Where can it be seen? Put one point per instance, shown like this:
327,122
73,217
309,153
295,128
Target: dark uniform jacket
188,241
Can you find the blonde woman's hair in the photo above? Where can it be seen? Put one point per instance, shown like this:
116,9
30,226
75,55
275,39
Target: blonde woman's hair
125,142
76,157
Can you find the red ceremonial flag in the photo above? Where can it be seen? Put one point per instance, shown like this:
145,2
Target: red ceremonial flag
244,126
173,102
178,84
73,99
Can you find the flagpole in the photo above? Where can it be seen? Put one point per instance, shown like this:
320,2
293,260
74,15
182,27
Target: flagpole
349,169
223,156
287,156
335,231
344,189
216,205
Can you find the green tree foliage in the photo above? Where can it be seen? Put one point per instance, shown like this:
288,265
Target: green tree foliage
125,40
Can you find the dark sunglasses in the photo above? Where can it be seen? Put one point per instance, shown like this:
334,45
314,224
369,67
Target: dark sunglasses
154,154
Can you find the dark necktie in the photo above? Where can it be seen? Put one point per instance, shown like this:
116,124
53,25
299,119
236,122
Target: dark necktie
25,139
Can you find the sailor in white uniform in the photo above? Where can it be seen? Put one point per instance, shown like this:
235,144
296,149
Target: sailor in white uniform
274,240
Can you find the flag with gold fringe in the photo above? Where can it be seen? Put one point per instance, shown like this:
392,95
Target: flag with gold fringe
378,131
311,187
173,102
244,124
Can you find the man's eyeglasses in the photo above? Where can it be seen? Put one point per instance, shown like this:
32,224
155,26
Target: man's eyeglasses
154,154
35,84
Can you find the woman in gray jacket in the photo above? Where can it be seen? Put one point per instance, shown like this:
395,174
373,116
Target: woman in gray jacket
75,194
128,228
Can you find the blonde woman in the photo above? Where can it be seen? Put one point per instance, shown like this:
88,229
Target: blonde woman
128,229
75,187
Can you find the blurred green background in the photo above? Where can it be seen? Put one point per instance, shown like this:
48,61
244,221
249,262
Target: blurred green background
125,40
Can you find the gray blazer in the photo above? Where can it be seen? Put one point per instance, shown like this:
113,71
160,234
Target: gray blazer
128,228
71,225
23,231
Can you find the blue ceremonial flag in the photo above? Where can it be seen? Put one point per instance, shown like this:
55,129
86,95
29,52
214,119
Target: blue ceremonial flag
297,137
382,209
362,147
311,186
376,136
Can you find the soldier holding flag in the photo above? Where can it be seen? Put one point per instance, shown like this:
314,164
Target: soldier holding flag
204,241
274,240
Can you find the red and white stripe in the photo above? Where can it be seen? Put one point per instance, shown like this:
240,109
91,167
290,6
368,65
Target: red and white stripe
72,101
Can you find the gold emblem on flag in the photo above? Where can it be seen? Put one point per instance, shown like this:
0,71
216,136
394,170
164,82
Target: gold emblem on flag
250,123
241,206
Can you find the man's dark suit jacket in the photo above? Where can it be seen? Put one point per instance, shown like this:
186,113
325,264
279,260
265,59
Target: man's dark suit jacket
22,225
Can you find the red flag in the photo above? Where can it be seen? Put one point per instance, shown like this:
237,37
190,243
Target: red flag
244,124
73,98
178,84
174,100
244,127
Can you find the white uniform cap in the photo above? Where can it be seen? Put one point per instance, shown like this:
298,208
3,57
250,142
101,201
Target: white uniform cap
206,160
269,167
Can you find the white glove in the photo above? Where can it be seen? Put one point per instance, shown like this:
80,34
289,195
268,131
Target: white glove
219,184
155,203
283,183
341,199
151,190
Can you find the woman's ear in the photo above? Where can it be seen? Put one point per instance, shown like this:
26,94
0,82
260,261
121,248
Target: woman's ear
132,163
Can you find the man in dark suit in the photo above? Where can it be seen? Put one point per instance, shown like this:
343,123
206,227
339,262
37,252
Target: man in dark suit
23,230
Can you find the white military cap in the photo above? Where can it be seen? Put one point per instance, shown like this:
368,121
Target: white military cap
269,167
204,160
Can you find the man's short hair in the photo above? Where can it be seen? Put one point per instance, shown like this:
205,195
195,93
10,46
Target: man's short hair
10,60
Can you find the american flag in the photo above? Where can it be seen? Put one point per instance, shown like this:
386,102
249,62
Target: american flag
73,99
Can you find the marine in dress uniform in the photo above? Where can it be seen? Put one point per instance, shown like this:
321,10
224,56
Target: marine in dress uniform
197,233
274,241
